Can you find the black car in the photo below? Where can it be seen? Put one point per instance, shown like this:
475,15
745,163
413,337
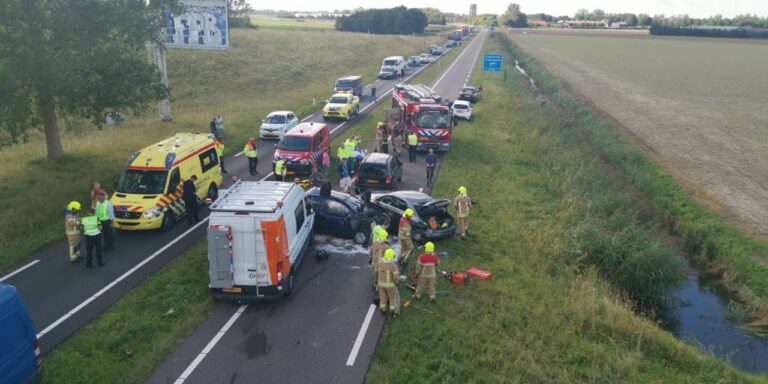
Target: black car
468,94
431,220
344,215
379,171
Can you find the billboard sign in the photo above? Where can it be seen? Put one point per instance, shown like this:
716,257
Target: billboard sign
202,25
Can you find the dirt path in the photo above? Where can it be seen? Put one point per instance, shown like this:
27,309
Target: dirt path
716,144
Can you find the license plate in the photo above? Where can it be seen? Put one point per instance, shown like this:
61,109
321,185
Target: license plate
232,290
372,181
289,173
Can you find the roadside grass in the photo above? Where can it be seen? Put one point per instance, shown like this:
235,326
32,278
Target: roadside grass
136,334
301,24
127,342
549,314
718,248
265,70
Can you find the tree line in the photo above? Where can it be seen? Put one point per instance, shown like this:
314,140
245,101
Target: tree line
392,21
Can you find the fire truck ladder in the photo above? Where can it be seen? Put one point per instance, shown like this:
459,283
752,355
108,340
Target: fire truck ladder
418,92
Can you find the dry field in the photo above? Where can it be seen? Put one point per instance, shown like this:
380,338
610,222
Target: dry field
699,105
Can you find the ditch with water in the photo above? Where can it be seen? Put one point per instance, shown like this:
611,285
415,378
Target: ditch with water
699,315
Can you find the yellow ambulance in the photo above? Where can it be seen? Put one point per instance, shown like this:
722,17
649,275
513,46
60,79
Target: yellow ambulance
148,194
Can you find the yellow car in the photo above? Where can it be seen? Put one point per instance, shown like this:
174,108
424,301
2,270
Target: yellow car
342,105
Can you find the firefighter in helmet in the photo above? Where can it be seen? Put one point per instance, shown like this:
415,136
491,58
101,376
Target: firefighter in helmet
426,271
389,276
404,235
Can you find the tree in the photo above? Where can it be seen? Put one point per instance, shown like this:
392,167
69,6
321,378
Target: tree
78,58
582,14
597,15
434,15
239,13
513,17
644,20
398,20
630,19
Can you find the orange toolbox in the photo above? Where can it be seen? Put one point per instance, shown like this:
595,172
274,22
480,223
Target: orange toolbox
479,273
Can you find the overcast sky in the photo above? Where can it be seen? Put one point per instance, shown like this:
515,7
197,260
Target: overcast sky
694,8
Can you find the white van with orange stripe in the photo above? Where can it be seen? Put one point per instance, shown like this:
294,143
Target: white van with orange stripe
257,235
148,195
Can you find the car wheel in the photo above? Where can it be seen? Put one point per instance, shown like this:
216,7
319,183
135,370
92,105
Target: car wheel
349,116
288,285
361,235
168,220
213,192
357,110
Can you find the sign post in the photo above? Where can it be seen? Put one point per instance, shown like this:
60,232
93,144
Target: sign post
492,62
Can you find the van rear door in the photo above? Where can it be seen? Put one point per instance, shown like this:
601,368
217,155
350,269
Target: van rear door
221,271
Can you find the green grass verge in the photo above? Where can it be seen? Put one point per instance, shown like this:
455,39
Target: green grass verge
300,24
264,70
719,248
126,343
548,315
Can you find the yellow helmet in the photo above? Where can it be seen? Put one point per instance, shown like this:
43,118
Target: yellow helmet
73,206
389,254
429,247
380,123
463,190
408,212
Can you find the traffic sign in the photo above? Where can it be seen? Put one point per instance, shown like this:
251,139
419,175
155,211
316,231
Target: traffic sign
492,62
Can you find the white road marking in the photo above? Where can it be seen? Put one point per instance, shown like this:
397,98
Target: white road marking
361,336
304,119
239,154
199,359
8,276
454,63
118,280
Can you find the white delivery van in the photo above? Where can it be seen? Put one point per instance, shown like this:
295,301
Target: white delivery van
257,234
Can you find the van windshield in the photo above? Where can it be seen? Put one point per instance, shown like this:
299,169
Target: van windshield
142,182
390,62
345,84
293,143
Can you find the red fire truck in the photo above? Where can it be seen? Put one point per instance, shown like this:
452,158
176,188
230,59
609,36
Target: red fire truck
422,110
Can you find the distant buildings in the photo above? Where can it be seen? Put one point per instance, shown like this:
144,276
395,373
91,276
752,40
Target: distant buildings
472,10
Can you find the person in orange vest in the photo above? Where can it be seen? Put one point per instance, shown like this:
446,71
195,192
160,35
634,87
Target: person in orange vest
389,277
427,273
220,150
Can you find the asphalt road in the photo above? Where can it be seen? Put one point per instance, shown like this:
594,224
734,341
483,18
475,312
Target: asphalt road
63,297
327,331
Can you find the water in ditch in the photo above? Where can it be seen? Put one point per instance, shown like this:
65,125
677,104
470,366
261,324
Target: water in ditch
698,314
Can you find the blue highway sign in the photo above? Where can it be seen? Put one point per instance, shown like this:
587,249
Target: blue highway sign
492,63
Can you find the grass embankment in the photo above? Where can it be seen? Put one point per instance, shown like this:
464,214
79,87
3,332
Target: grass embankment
264,70
548,315
128,341
720,249
300,24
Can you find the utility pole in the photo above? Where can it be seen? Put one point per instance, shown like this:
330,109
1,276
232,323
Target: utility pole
157,57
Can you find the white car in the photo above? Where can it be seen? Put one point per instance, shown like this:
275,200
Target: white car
462,109
277,123
425,58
